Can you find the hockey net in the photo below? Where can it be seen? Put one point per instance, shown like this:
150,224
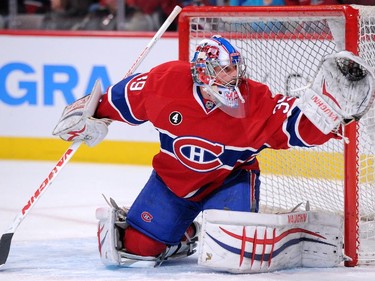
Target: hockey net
282,47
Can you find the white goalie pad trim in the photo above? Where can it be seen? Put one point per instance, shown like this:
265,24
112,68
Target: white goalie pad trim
106,232
243,242
108,243
112,221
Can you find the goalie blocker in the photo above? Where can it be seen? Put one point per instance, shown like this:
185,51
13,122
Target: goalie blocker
77,122
242,242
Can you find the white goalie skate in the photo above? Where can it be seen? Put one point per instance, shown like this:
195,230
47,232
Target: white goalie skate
111,228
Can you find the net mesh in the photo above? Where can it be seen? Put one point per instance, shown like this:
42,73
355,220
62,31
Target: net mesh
366,146
285,52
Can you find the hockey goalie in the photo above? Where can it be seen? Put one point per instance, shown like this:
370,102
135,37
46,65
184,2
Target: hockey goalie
213,121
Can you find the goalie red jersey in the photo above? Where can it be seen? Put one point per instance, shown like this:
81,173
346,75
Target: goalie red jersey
213,122
200,144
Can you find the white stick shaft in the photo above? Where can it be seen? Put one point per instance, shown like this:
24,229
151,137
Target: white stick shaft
154,39
6,238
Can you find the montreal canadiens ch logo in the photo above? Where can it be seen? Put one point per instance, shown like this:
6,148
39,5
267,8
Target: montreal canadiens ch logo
146,216
198,154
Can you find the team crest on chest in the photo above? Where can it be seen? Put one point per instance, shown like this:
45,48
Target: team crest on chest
175,118
198,154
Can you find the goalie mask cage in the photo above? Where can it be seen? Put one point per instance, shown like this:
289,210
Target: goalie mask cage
282,47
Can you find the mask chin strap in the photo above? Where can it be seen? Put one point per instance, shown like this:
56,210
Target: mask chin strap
239,94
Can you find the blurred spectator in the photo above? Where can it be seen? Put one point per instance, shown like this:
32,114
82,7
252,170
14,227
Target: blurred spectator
157,10
4,7
140,15
267,27
103,16
37,6
13,15
257,2
200,3
65,14
297,2
358,2
71,7
311,2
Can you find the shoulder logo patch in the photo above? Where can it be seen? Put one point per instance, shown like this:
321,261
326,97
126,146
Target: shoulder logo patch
146,216
175,118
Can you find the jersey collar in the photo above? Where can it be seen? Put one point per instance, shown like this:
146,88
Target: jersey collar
207,105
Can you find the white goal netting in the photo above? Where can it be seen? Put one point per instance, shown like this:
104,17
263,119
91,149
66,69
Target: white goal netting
283,49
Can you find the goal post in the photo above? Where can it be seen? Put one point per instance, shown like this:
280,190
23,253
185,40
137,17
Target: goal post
283,47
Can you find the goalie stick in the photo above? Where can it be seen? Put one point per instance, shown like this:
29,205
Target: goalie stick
6,238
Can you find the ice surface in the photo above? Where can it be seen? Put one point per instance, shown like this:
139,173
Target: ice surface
57,240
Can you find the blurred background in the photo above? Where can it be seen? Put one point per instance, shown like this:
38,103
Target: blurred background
125,15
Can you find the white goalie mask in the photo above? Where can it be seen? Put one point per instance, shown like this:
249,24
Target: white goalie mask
218,68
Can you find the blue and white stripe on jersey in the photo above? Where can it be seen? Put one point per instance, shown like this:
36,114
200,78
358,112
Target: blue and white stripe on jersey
291,129
118,97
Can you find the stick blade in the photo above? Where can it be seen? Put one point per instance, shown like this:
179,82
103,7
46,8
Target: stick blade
5,241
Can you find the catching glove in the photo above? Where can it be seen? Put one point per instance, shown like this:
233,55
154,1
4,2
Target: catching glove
342,91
